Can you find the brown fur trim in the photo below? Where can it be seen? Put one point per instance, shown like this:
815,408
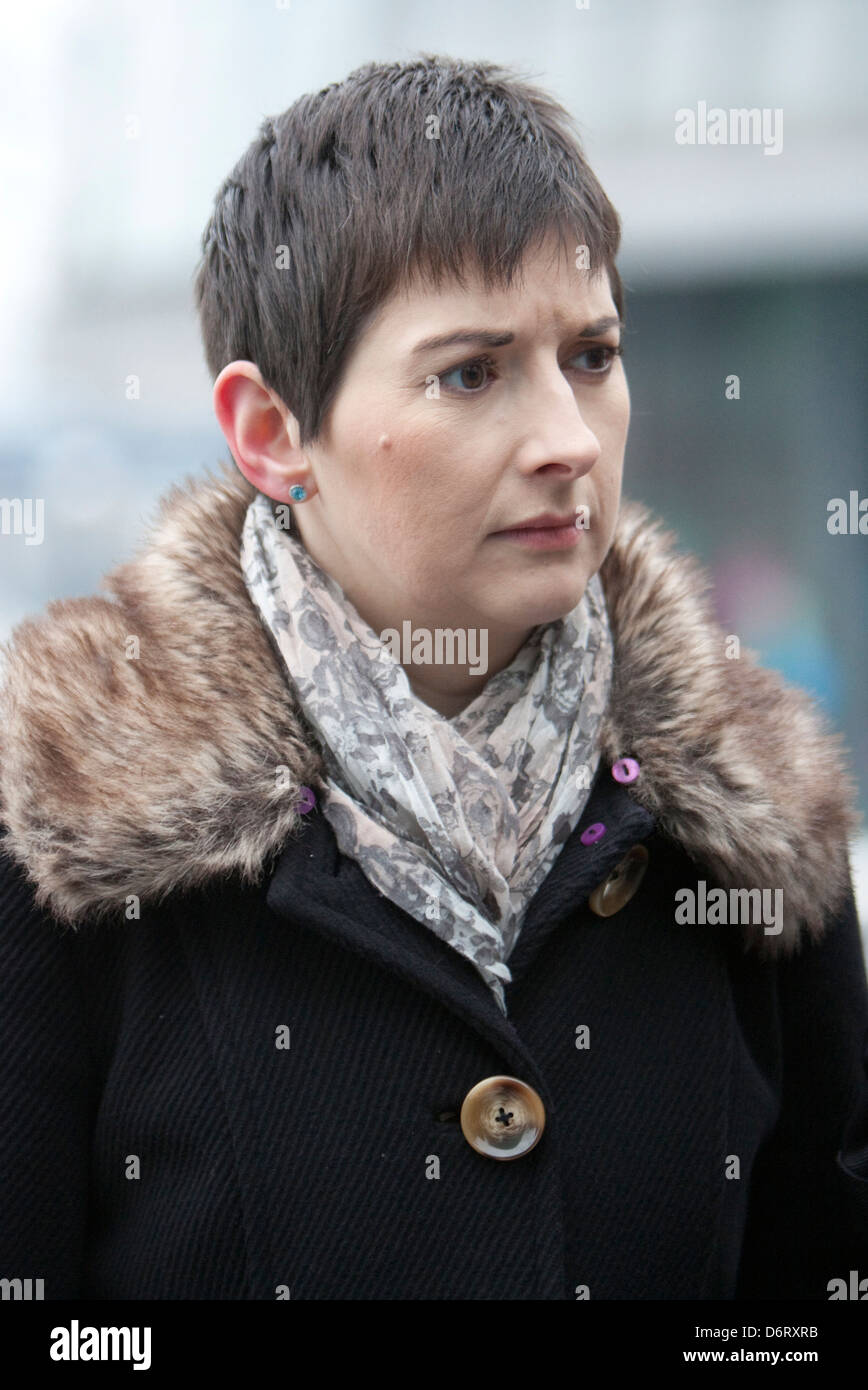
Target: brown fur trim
143,776
741,769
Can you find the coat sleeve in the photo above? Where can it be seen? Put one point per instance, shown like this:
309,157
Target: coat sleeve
808,1210
45,1096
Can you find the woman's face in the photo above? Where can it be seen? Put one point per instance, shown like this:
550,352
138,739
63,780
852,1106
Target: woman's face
424,459
422,462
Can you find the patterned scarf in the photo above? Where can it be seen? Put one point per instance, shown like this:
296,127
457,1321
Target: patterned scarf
457,821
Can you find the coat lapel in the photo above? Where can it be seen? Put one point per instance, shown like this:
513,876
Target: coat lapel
314,887
579,868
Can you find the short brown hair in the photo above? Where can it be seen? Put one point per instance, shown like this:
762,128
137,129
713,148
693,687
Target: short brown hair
365,190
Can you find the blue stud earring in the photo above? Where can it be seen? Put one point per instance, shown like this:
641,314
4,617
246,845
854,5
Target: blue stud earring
298,493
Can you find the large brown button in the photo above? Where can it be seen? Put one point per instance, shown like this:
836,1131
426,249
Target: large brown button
502,1117
616,891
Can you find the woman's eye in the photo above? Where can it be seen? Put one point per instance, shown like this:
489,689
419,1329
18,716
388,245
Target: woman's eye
604,354
471,376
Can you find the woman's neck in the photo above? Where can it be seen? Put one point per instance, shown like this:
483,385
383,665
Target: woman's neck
450,688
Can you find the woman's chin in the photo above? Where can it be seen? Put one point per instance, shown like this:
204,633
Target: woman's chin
546,608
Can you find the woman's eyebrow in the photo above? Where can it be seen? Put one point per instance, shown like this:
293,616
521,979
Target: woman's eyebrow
468,336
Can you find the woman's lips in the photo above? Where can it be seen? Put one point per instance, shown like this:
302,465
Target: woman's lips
542,537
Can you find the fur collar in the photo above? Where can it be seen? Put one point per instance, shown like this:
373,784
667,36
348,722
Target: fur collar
122,776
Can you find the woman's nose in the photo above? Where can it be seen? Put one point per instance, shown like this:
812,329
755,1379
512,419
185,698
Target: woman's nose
562,438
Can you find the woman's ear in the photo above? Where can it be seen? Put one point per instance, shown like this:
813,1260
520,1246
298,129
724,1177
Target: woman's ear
261,432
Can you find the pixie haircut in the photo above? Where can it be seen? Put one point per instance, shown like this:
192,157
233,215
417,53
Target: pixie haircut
421,168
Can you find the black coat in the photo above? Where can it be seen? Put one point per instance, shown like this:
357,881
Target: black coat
252,1090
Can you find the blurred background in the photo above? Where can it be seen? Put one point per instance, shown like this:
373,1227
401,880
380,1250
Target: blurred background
118,121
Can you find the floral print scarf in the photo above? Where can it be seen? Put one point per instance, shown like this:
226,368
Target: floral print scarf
456,820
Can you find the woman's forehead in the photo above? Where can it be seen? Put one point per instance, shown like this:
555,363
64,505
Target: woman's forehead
568,301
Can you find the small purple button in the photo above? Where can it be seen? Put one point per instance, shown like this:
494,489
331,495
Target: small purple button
625,770
593,833
306,801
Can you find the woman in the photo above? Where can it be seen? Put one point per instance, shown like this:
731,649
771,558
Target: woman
405,892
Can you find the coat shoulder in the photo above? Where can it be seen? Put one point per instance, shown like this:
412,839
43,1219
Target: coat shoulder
147,736
744,770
